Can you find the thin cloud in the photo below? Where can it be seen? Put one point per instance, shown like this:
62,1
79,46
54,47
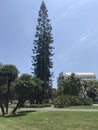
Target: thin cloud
84,38
73,50
71,9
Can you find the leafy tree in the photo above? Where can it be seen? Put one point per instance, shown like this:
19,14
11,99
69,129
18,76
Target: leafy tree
63,87
2,82
92,93
9,73
92,89
84,89
37,90
26,77
23,91
36,87
75,85
42,51
54,93
27,88
70,86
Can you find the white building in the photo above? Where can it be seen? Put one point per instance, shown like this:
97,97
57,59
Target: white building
82,76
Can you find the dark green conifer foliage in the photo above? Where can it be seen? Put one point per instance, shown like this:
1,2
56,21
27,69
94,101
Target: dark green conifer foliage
43,50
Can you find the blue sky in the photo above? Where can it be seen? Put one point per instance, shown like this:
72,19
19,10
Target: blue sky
75,32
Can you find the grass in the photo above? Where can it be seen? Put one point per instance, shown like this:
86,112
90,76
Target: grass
50,120
84,107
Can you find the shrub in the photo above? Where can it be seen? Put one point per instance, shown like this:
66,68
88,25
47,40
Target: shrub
62,101
75,101
86,101
65,101
38,105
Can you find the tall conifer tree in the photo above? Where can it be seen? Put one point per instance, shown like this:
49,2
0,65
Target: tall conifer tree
43,51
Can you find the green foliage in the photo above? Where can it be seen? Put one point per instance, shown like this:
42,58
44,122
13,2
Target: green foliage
70,86
75,101
42,51
2,78
37,90
9,72
26,77
24,85
65,101
92,90
62,101
23,88
54,93
73,86
27,88
86,101
38,105
92,93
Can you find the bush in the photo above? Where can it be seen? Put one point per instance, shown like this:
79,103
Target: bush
75,101
65,101
86,101
38,105
62,101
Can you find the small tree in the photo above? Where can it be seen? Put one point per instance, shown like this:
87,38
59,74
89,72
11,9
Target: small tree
75,85
26,87
2,82
42,51
23,91
92,89
10,73
70,86
37,90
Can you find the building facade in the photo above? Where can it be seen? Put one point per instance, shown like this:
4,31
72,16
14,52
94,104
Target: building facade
82,76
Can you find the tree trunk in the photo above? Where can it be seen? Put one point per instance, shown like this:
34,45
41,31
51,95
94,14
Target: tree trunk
1,102
20,101
2,108
8,97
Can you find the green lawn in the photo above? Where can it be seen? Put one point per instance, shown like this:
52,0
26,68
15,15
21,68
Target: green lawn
50,120
84,107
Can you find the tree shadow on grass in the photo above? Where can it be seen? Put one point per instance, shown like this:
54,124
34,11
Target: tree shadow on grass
18,114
